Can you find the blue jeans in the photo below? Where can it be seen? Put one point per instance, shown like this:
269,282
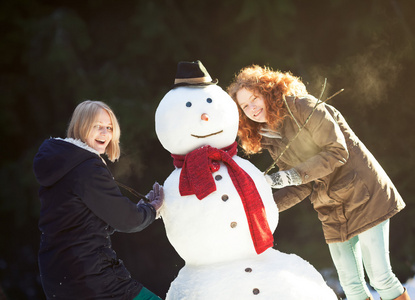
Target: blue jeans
371,250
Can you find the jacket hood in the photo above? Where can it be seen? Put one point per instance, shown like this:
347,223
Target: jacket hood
56,157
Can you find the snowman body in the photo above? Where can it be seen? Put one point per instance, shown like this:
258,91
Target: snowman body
214,229
212,234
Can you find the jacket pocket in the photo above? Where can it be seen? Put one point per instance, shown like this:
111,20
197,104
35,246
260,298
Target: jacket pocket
343,187
350,190
322,203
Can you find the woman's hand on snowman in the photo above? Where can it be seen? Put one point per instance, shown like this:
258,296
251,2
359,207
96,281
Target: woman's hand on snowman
156,198
281,179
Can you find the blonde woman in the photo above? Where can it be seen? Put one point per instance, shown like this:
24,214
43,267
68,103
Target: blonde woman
81,206
329,165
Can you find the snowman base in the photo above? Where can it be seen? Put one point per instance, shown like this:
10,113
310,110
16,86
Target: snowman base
270,275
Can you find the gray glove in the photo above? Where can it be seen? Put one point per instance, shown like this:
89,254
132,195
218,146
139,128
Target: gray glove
156,197
282,179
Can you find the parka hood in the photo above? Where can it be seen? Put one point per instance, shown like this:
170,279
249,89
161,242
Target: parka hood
56,157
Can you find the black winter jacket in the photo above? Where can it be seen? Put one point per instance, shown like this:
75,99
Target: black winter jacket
81,206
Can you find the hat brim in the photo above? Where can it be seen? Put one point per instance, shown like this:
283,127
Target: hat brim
215,81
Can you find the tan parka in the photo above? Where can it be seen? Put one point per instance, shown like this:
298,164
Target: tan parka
346,185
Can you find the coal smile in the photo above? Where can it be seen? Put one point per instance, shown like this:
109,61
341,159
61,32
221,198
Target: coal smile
205,136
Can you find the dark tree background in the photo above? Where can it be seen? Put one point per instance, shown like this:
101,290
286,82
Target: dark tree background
55,54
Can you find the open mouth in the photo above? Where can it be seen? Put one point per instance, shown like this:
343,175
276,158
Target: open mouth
102,142
205,136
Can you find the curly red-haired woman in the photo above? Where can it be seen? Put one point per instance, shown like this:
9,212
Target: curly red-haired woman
353,196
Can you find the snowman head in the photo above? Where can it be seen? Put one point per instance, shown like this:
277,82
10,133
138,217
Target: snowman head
196,113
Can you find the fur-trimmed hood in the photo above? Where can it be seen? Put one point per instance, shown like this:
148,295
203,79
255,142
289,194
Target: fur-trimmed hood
56,157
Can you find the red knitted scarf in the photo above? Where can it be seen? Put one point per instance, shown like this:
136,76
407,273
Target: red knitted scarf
195,178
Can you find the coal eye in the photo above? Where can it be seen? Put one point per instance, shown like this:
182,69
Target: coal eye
209,100
188,104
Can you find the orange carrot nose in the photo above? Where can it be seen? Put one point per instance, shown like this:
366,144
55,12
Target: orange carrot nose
204,117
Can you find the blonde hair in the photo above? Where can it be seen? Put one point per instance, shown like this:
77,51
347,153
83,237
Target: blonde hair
82,122
272,85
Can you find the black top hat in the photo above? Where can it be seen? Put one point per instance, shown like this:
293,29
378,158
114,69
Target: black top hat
192,74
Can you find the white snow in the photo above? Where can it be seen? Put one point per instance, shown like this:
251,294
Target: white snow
271,275
410,286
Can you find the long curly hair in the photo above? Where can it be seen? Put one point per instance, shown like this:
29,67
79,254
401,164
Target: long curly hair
272,85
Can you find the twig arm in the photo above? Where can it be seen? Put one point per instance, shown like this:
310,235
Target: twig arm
132,191
301,128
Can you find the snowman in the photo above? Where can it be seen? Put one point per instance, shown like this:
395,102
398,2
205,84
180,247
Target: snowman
219,211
